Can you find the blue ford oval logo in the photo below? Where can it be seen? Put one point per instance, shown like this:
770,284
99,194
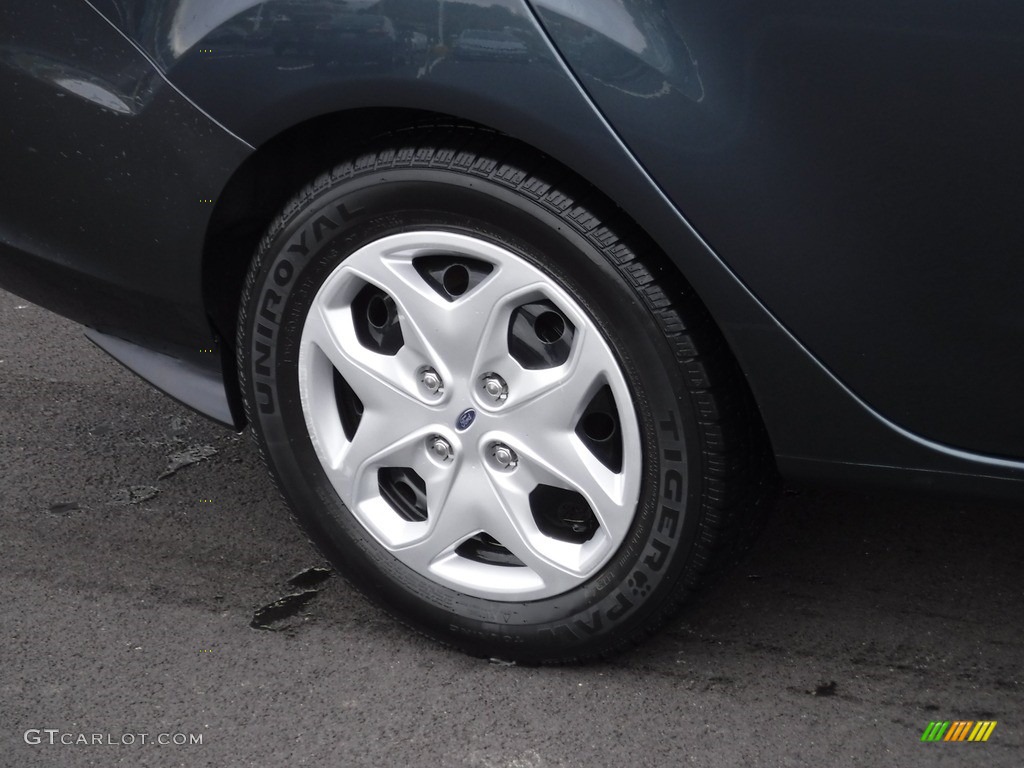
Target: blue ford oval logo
465,420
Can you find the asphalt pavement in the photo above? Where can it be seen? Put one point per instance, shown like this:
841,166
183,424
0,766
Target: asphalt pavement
159,606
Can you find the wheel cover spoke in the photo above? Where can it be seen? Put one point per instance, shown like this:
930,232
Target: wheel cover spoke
482,524
456,517
372,376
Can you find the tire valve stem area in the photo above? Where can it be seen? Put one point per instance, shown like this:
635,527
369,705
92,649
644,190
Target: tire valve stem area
404,491
563,514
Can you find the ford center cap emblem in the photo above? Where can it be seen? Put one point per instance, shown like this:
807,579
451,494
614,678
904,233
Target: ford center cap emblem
465,420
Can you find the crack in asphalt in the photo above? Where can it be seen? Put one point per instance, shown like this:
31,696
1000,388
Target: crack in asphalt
275,616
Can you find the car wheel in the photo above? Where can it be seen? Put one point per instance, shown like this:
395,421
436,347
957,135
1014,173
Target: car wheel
485,408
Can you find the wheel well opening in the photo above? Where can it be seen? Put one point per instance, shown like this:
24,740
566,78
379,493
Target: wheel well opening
278,169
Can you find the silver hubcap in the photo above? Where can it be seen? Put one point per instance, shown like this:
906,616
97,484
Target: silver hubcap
494,448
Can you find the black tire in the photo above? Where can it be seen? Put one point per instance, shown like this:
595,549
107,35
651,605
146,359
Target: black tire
703,452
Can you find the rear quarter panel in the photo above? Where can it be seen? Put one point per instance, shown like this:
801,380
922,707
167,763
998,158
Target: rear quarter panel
858,165
726,107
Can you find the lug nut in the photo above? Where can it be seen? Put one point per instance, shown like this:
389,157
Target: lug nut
504,456
441,448
431,381
495,387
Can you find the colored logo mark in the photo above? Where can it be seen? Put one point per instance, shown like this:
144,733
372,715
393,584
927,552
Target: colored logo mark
466,418
959,730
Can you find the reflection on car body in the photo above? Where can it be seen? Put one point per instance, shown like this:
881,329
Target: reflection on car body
360,39
489,45
330,35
